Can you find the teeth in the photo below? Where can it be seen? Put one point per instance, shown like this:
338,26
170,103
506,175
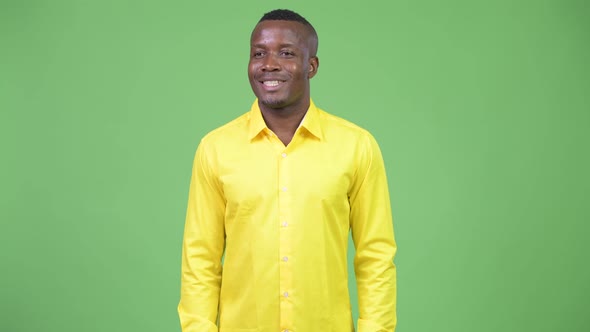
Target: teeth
271,83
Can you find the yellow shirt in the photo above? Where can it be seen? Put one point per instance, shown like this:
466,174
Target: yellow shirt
282,216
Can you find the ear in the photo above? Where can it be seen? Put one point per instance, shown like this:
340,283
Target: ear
314,64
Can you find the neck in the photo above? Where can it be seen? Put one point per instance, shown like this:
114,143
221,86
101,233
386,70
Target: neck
284,121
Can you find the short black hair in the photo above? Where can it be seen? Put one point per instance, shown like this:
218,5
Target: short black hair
289,15
284,15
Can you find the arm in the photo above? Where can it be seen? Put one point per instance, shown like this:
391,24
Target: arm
372,233
203,244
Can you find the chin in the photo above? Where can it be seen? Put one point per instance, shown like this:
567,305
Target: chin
273,102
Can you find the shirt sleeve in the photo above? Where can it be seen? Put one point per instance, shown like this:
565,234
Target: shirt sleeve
203,245
372,233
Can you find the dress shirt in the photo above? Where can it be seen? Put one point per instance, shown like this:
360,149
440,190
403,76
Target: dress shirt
267,225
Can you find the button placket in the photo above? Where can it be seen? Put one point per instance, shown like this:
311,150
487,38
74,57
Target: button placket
285,239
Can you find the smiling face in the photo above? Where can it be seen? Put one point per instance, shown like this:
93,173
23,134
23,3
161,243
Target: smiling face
282,60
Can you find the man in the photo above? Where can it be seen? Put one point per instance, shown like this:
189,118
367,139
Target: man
275,193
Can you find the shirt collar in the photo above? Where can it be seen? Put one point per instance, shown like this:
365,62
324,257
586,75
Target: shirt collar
311,121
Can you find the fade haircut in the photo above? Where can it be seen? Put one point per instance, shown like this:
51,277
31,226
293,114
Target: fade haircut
289,15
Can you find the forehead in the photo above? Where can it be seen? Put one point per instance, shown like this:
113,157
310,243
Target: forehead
268,32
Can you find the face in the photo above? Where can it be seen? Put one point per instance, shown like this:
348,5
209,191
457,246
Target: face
281,64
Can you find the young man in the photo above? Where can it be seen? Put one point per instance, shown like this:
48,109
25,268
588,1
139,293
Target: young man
278,190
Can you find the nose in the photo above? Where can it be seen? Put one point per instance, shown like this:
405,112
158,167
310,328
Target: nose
270,63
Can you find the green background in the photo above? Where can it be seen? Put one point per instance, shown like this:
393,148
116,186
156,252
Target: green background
481,108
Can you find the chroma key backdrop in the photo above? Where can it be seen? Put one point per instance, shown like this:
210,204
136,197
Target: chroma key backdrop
481,109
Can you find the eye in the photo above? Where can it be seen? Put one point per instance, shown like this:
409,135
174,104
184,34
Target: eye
287,53
257,54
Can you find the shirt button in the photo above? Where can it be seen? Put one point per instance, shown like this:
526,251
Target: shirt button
284,155
285,224
286,294
285,259
284,189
